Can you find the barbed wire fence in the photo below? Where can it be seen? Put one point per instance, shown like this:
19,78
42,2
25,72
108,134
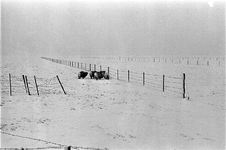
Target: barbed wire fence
31,85
59,146
163,83
194,61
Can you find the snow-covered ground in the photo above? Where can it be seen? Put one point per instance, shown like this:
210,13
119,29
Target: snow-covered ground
111,114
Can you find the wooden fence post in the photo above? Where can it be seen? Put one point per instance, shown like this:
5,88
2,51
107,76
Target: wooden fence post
100,68
108,70
24,83
67,148
117,75
163,83
208,63
128,75
143,78
36,85
10,85
27,85
61,85
94,67
184,85
90,68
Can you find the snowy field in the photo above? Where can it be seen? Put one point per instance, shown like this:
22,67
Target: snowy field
112,114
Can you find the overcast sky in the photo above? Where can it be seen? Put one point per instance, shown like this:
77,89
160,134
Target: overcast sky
113,28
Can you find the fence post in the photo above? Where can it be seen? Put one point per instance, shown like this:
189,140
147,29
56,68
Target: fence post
197,62
27,85
108,70
207,63
100,67
67,148
128,75
184,85
117,75
61,85
89,67
10,86
36,85
24,83
94,67
143,78
163,83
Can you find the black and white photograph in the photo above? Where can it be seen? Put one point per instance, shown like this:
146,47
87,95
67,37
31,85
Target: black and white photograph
112,75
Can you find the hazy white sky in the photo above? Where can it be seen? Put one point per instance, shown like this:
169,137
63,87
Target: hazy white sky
113,28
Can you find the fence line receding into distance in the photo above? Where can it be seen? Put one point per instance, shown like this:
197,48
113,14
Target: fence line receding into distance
191,60
162,83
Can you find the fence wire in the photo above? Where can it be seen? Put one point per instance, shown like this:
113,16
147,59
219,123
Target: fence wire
59,146
169,83
18,85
